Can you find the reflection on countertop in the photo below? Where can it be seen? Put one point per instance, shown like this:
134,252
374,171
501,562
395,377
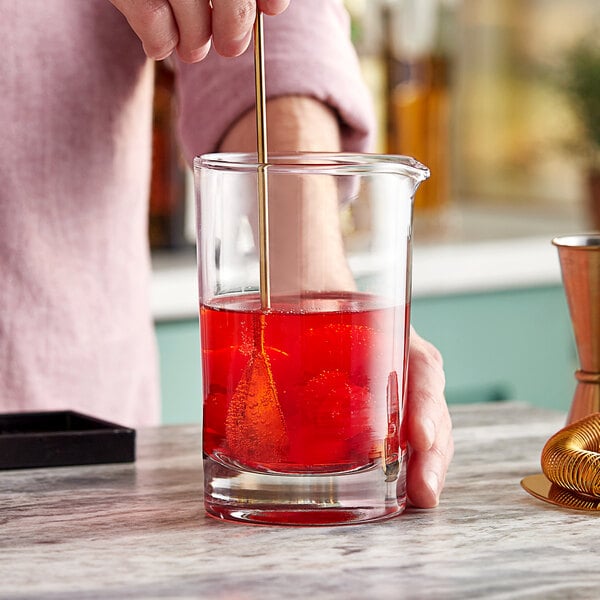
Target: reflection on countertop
472,248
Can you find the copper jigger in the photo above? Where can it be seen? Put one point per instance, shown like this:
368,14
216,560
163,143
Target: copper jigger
579,257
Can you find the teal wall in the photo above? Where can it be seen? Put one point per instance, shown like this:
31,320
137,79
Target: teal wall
515,345
181,380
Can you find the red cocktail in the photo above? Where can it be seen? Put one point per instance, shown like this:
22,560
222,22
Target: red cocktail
326,396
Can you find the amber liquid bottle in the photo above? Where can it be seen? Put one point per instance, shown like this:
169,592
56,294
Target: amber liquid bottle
419,121
419,48
168,182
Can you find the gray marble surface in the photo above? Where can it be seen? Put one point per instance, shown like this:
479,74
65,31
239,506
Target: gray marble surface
139,531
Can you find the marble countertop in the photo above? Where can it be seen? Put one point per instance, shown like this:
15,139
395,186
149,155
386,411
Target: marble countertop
139,531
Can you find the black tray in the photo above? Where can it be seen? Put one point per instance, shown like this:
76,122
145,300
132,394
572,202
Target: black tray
55,439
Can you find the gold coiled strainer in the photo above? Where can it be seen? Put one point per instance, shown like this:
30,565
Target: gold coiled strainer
571,467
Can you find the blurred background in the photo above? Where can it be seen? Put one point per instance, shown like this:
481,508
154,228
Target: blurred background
501,100
476,90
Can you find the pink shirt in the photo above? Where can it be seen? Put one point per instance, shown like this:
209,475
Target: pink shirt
75,125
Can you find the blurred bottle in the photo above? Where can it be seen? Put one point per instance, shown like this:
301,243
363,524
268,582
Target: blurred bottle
368,37
167,211
419,61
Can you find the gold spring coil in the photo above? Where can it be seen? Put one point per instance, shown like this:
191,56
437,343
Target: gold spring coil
571,457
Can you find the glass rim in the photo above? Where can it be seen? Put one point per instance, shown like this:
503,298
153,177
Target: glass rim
332,163
582,241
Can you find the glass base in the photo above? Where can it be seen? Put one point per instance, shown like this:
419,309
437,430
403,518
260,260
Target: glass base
333,499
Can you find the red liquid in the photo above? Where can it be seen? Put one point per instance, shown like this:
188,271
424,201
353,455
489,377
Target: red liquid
322,397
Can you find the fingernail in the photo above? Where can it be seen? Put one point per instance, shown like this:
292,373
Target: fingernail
243,37
429,432
236,46
197,54
432,482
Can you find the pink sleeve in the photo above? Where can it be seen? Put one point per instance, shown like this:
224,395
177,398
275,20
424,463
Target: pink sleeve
308,52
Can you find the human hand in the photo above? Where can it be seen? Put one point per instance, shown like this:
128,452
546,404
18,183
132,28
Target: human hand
429,427
188,26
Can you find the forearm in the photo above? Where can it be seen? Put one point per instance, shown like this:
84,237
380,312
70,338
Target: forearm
294,123
305,209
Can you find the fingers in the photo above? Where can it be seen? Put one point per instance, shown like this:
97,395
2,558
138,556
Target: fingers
426,474
232,22
154,23
273,7
187,25
429,427
426,405
193,18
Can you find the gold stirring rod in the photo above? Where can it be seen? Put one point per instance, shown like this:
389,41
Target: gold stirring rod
261,143
255,428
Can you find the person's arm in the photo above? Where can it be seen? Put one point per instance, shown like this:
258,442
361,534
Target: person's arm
308,55
293,123
297,123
